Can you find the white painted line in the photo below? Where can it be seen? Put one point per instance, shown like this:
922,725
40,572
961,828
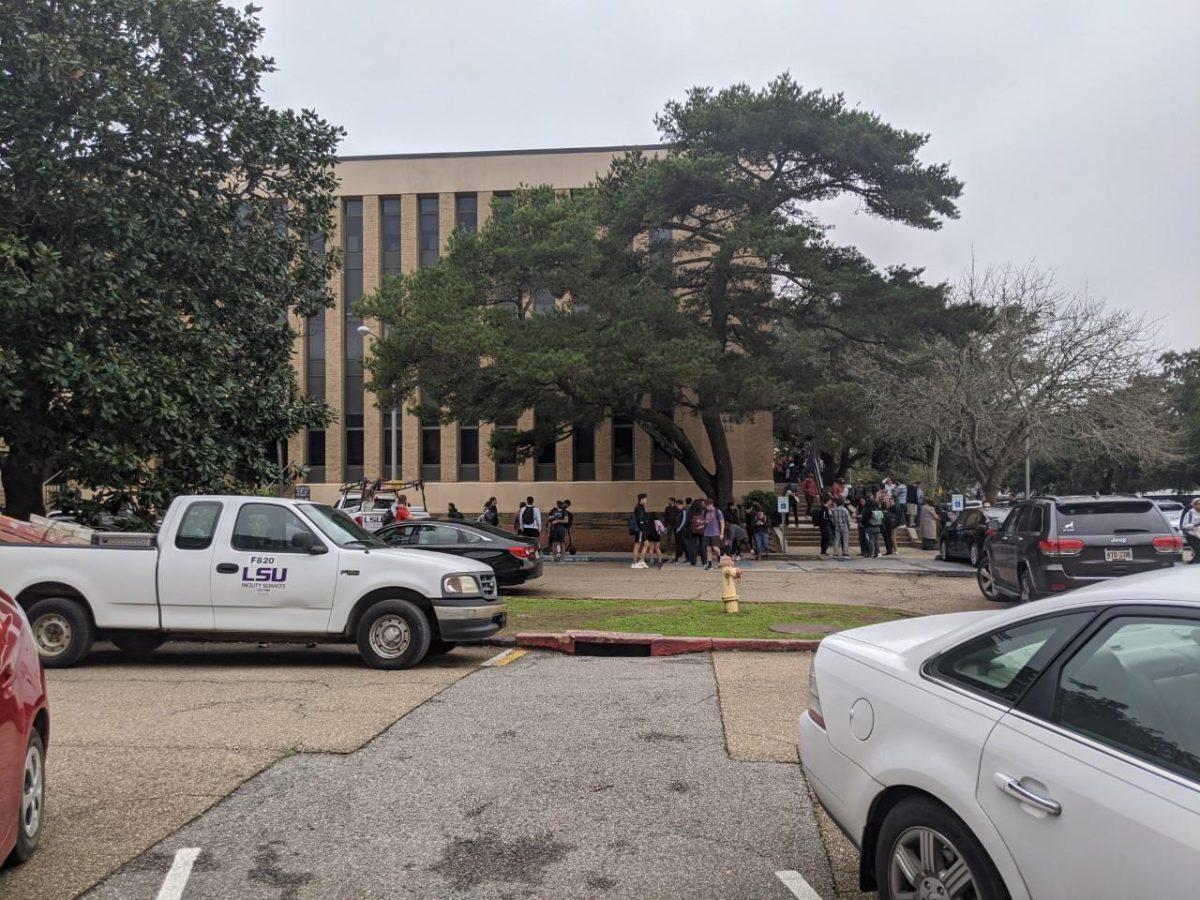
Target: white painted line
795,883
181,871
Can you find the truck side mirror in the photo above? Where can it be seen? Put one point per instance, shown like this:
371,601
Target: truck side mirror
305,542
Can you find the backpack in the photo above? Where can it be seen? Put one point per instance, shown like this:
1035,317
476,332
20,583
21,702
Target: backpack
527,516
660,527
876,517
699,520
631,524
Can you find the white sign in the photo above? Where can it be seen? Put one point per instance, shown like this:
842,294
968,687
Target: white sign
781,505
956,502
303,492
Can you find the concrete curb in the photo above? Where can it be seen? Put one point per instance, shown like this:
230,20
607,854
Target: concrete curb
573,642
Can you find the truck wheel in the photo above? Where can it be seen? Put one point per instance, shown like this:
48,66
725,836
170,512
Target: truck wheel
138,643
437,647
393,634
62,631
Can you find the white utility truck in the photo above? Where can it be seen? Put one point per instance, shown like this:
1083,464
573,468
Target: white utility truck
252,568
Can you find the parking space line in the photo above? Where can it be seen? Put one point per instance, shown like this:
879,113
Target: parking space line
181,870
505,657
795,883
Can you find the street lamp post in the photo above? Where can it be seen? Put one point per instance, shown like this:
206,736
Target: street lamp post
393,462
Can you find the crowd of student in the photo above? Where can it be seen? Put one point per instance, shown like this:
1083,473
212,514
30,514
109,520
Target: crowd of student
697,531
874,511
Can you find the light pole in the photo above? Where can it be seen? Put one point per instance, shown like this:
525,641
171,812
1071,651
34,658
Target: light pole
395,448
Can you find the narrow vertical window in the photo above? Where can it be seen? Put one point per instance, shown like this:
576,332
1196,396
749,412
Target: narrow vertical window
427,215
622,448
389,235
314,377
352,342
468,451
662,463
506,460
466,212
546,466
583,453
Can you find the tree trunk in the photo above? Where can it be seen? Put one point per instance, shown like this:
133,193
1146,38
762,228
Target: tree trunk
718,441
933,465
23,477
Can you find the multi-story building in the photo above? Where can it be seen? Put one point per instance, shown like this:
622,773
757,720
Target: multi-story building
394,214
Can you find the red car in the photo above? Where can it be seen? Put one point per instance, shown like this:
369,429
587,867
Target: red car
24,733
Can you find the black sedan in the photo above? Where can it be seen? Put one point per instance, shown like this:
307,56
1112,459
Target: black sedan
515,559
963,538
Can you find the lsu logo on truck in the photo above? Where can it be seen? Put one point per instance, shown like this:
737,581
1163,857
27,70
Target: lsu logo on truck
262,575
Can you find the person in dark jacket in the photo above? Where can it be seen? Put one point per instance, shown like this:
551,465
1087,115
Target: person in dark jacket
638,525
820,518
891,522
680,528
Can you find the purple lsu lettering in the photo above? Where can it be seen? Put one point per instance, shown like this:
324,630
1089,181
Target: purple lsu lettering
264,573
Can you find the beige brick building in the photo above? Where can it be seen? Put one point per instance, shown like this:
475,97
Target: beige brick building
395,214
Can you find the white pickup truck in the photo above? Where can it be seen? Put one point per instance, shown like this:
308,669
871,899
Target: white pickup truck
252,568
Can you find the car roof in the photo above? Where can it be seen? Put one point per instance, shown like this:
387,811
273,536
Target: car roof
1090,498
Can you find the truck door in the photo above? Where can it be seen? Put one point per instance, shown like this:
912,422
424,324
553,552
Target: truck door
184,594
272,573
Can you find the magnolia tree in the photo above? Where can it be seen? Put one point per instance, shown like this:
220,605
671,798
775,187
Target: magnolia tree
1053,371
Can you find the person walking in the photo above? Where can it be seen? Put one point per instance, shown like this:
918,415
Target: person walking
568,521
793,499
911,504
637,530
669,516
874,514
680,532
839,520
838,490
1189,524
714,532
812,495
531,520
890,522
558,530
821,521
490,515
652,546
696,523
860,509
929,525
900,498
762,530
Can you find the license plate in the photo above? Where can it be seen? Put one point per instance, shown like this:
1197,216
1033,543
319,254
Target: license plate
1121,555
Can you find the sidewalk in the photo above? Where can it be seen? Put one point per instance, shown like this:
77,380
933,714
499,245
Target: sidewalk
912,563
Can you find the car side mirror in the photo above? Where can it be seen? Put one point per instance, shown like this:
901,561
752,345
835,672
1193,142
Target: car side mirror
305,542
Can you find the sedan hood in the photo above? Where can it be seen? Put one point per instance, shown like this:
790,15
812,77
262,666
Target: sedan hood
906,634
430,561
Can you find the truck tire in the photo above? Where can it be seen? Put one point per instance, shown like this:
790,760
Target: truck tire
138,643
437,647
62,630
393,634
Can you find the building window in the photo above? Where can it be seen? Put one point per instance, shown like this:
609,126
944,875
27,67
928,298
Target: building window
392,472
389,235
468,452
431,448
543,301
583,453
352,341
506,460
662,463
427,209
622,448
315,455
466,212
546,465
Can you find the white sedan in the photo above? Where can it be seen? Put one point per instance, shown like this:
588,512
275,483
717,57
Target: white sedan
1050,751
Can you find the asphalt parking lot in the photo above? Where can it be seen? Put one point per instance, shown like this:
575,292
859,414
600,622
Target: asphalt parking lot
551,777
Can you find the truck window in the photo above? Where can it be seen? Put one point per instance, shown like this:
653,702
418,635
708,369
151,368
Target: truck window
264,527
198,525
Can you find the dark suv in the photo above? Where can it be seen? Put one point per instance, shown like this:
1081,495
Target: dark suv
1052,544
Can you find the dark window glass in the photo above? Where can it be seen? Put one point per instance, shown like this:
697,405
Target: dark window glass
1032,522
197,526
506,460
1135,686
466,211
427,215
1113,517
389,234
583,452
262,527
392,473
468,452
1014,519
546,463
316,449
622,448
662,463
431,449
352,228
1004,663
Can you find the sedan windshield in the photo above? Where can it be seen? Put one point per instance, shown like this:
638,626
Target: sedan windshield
339,527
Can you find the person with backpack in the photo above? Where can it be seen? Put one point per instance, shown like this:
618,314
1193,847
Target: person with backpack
531,520
874,514
558,530
652,546
490,515
762,530
637,526
568,521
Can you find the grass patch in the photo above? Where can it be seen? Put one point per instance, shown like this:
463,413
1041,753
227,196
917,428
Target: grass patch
694,618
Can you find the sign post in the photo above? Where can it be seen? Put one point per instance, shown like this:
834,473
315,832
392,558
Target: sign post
956,502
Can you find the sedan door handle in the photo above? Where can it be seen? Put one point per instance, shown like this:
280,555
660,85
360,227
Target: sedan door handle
1014,788
227,568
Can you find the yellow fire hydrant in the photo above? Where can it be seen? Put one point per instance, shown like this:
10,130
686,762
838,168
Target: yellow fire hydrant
729,578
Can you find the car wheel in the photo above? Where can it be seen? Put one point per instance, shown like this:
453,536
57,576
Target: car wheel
987,581
1029,590
944,550
393,634
437,647
974,555
138,643
31,811
924,850
62,631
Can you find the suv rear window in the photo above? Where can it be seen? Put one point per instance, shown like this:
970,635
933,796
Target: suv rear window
1113,517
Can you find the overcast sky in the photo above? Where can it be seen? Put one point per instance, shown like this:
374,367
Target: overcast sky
1075,124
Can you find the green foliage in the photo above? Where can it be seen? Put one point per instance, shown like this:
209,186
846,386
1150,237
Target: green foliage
146,263
697,325
765,499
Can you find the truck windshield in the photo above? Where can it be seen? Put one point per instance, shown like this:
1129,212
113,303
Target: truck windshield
339,527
